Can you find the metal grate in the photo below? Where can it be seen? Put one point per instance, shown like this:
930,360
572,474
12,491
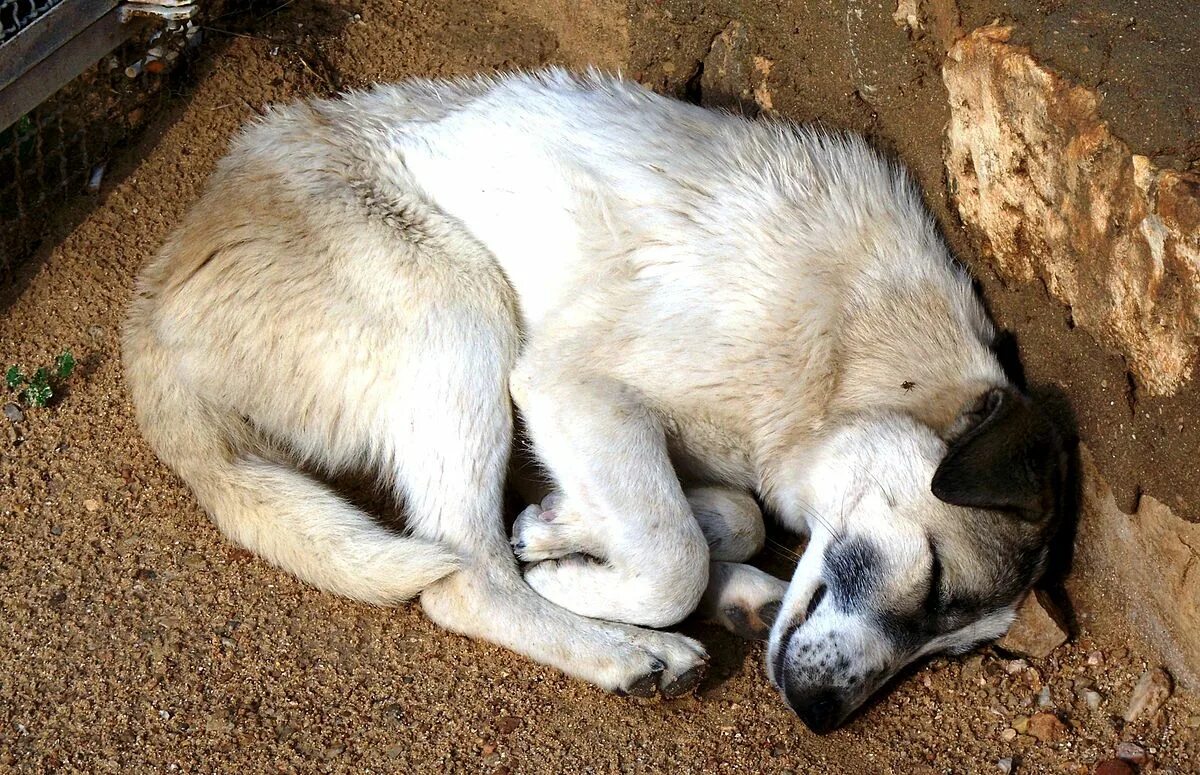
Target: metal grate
16,15
45,158
58,150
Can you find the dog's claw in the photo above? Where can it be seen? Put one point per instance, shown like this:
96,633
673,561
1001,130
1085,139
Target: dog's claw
685,683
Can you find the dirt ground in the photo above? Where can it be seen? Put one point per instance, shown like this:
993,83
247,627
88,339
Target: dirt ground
133,638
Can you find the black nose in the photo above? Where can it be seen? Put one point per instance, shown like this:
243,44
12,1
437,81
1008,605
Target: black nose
820,709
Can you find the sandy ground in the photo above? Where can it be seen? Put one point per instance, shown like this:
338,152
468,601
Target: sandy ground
133,638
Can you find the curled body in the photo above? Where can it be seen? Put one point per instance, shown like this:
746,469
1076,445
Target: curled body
691,313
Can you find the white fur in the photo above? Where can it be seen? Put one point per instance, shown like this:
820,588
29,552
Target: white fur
665,290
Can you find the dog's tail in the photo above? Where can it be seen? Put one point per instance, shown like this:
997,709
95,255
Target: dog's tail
267,506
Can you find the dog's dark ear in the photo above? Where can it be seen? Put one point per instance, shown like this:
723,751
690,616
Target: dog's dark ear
1009,457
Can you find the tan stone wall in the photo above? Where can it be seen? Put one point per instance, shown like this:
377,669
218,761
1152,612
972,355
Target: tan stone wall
1052,195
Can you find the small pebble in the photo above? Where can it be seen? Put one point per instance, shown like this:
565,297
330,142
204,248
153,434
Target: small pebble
1113,767
506,725
1006,766
1132,753
1092,699
13,412
1044,700
1047,727
1038,628
1015,666
91,504
1008,735
1095,659
1021,724
1149,694
972,668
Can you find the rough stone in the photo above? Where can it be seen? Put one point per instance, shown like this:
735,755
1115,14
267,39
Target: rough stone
1149,694
1132,753
732,77
1140,570
1113,767
1047,727
1050,194
1038,629
939,18
907,14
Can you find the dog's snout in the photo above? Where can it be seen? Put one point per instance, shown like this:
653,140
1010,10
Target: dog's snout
820,709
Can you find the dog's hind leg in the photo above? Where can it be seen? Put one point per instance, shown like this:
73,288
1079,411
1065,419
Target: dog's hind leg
742,598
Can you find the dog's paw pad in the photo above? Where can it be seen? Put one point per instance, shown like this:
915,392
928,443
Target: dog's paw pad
646,685
685,683
751,623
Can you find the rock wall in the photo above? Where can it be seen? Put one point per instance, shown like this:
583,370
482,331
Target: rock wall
1052,195
1139,572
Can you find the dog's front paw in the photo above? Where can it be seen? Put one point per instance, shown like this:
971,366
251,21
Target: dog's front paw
743,599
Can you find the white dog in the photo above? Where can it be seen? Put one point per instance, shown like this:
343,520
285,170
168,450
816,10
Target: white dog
686,308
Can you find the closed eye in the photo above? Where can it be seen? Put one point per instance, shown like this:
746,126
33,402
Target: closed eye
933,598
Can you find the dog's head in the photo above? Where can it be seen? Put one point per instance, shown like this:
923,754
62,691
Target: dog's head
917,546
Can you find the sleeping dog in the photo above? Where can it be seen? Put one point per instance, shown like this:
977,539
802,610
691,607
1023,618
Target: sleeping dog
693,314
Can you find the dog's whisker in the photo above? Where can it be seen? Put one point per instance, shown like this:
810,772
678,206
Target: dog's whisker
782,550
887,494
817,517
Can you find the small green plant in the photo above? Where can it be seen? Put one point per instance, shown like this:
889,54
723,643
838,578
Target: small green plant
36,391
